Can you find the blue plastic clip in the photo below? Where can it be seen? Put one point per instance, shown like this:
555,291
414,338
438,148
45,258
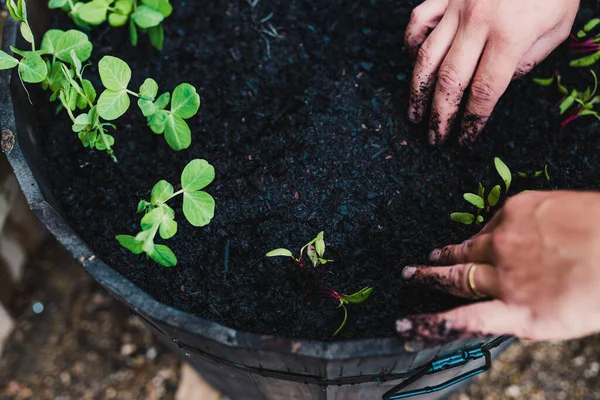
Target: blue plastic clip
453,360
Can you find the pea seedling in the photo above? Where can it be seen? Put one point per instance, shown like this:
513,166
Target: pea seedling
574,104
344,300
479,200
585,42
145,16
315,249
198,209
59,66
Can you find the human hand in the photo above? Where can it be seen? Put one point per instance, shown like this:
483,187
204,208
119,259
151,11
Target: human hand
481,45
539,261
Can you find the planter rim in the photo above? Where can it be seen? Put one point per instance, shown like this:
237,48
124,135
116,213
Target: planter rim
139,301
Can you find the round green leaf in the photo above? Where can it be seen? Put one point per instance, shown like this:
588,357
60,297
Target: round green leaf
149,89
111,104
163,6
72,40
185,101
197,175
163,100
146,17
177,133
32,68
167,229
94,12
163,255
198,208
115,74
158,121
7,61
130,243
463,218
494,195
147,107
161,192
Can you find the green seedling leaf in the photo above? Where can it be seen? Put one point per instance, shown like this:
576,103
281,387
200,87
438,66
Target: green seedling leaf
463,218
72,40
546,174
504,172
148,108
280,253
146,17
567,102
197,175
130,243
324,261
114,73
88,90
143,205
360,296
157,37
32,68
13,10
163,255
133,33
152,218
312,254
149,89
544,81
177,132
158,121
112,104
586,61
76,63
185,101
494,195
82,122
163,100
522,174
7,61
474,200
100,145
481,191
162,6
26,32
161,192
320,244
57,3
198,208
94,12
167,229
480,219
591,24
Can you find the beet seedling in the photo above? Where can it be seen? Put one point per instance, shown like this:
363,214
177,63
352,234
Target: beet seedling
574,104
198,209
586,43
542,172
344,300
315,249
479,200
145,16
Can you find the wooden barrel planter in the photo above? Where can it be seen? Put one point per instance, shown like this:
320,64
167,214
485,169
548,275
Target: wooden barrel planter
240,364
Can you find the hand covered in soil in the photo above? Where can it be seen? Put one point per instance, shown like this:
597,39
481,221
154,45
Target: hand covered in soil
539,261
479,45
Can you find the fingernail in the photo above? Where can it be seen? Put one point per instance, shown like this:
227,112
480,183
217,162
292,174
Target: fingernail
435,255
432,137
408,272
403,325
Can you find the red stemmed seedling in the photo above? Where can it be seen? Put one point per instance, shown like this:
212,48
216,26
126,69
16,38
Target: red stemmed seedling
586,43
574,103
315,250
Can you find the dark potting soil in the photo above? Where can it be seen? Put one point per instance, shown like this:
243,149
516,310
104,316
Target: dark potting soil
308,132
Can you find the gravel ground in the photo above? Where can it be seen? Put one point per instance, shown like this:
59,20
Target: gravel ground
85,345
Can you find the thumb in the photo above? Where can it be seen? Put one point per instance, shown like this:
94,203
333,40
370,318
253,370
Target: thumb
479,319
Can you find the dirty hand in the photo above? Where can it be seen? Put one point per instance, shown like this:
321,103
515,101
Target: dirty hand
538,261
481,44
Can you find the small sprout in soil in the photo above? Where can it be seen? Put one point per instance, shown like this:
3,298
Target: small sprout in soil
480,201
542,172
586,42
315,249
59,67
344,300
198,209
574,103
145,16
